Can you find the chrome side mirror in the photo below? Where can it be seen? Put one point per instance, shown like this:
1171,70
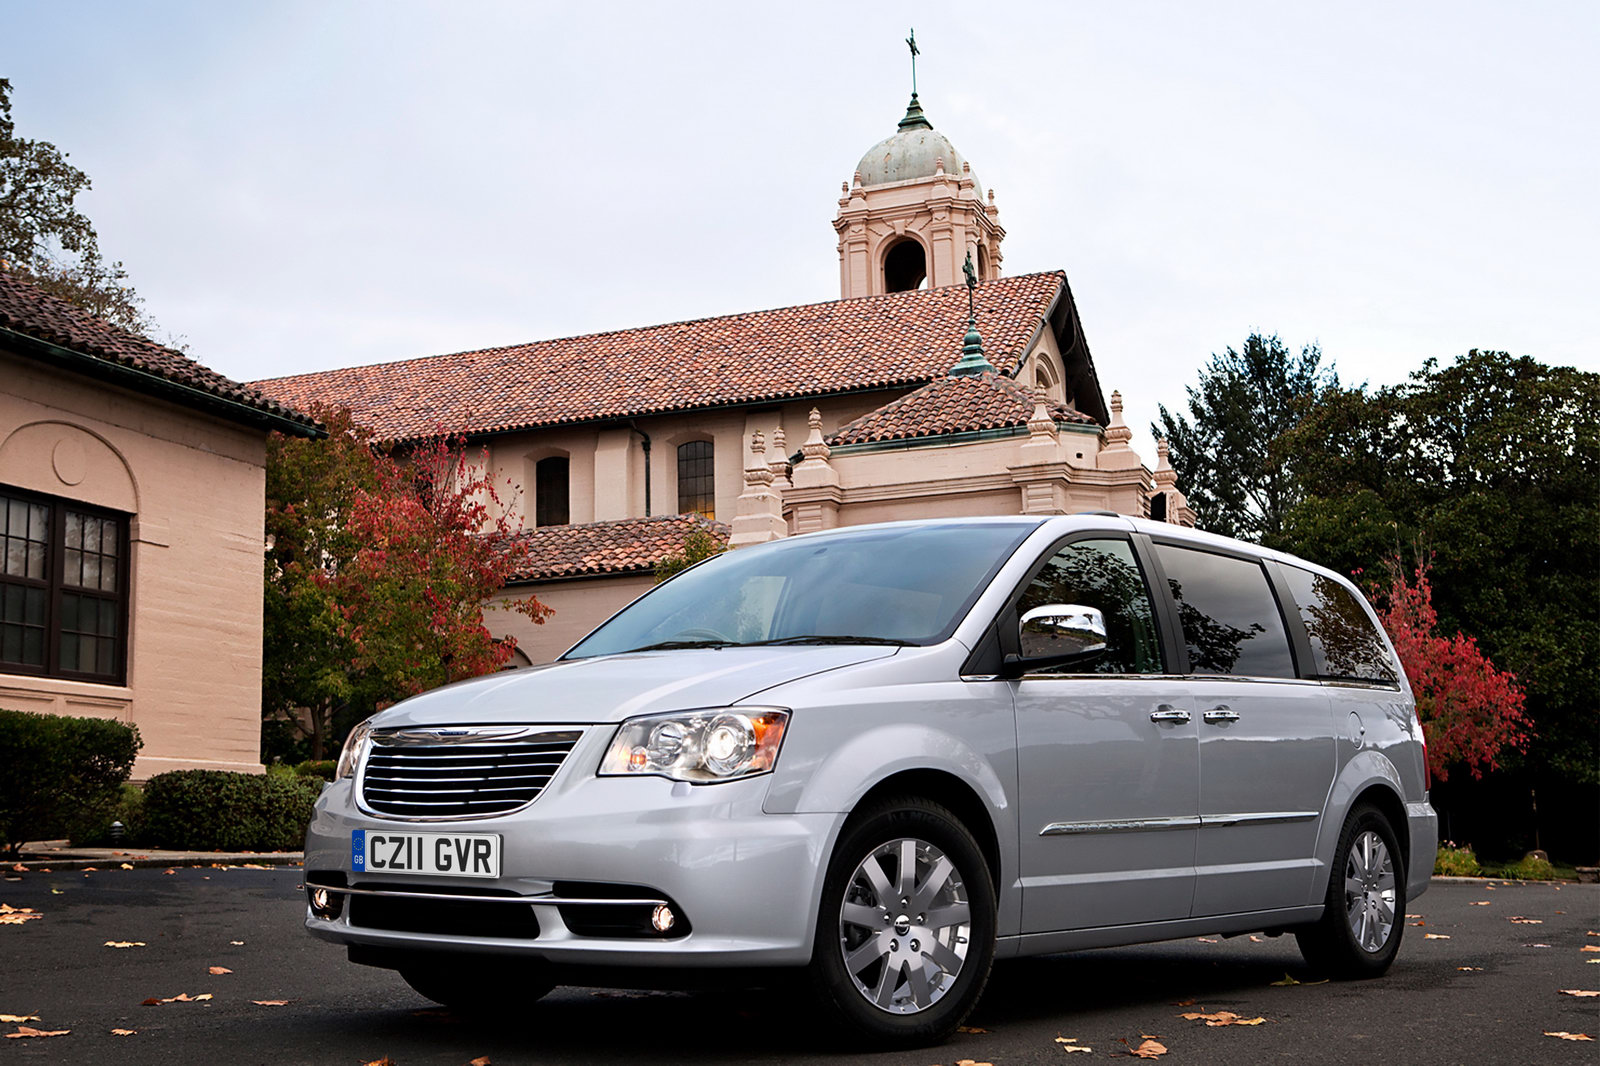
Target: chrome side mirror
1061,632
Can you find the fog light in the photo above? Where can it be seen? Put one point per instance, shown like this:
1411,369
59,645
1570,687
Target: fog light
662,919
323,903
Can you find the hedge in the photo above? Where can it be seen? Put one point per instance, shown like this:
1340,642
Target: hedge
217,810
59,774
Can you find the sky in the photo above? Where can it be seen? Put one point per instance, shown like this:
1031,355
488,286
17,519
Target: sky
300,186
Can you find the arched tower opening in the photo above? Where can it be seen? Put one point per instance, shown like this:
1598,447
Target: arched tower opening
905,267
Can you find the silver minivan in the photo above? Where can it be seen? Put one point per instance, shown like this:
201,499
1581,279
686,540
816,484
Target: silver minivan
881,757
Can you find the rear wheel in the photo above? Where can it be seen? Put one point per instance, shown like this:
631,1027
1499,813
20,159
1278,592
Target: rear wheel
487,986
905,936
1364,911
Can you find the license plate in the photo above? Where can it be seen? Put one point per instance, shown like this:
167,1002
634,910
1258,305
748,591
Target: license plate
457,854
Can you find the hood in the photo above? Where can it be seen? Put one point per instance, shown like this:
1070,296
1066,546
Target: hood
611,688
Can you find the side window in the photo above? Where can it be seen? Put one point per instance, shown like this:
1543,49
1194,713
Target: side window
1105,575
1344,642
696,491
551,496
1228,612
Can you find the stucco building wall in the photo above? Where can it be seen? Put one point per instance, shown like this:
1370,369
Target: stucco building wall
580,605
192,487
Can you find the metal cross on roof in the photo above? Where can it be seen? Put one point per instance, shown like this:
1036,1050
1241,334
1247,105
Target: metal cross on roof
911,42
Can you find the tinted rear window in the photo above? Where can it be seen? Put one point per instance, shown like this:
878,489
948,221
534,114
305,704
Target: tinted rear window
1228,612
1344,643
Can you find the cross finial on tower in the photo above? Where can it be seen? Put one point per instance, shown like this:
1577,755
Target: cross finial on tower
911,43
972,360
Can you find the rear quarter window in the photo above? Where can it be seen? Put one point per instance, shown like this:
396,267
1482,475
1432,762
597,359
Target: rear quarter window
1230,617
1345,645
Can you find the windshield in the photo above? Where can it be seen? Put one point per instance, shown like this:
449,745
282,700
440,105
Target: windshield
884,585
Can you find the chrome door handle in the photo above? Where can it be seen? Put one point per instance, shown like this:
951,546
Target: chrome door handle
1166,713
1220,714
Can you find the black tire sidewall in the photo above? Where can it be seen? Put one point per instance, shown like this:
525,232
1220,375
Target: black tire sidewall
920,820
1333,941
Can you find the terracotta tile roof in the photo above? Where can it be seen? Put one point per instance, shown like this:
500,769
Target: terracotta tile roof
27,309
902,339
597,548
952,405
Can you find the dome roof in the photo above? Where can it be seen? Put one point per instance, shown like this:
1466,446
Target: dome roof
912,152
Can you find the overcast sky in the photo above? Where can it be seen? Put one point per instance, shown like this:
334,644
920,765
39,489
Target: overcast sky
297,186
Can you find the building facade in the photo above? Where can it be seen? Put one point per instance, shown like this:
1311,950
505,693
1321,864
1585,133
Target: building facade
913,395
131,510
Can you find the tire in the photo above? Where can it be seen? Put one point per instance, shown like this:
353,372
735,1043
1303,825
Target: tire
1364,911
898,966
479,986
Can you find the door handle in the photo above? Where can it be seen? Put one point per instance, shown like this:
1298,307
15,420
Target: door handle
1220,713
1166,713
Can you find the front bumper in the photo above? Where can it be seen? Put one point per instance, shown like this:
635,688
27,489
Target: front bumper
747,882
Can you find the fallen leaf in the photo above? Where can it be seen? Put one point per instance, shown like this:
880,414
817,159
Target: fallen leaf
385,1061
1479,903
18,915
1256,940
1150,1049
1569,1036
1206,940
970,1062
123,1032
1536,945
127,866
1591,932
1520,920
19,1017
237,943
481,1060
125,943
218,971
1415,924
90,870
181,997
21,869
1285,983
970,1029
24,1030
1415,916
1069,1044
1184,1003
1435,936
1471,969
1220,1018
270,1002
1590,947
169,871
57,892
1579,992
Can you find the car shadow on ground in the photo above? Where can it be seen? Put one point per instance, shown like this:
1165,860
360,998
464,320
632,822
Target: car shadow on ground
740,1024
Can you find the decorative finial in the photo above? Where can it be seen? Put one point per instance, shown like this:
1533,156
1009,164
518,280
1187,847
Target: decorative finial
938,165
915,119
972,360
911,43
758,445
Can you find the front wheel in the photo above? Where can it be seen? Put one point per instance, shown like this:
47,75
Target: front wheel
1364,912
905,936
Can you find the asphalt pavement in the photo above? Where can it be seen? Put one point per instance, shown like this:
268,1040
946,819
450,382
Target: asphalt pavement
1485,988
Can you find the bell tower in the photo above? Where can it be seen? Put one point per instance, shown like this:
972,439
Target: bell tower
913,211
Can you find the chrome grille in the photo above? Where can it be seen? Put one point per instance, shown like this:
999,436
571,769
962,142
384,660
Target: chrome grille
456,773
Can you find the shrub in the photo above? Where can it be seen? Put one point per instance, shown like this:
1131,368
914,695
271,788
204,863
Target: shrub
217,810
1529,868
1452,861
58,771
95,832
319,769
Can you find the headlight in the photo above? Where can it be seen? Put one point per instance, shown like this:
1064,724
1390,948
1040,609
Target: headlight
712,745
350,755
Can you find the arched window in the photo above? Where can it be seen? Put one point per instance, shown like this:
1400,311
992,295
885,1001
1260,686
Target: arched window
696,482
905,267
983,263
551,505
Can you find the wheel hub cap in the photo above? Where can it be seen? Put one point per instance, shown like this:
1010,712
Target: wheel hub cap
1370,892
905,926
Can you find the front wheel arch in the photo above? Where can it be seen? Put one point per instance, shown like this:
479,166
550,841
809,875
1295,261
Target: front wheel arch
948,791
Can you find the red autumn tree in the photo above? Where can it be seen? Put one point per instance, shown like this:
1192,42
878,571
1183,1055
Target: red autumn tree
377,575
435,543
1471,711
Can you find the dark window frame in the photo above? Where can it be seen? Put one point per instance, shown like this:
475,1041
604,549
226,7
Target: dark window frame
545,510
706,492
55,587
1288,619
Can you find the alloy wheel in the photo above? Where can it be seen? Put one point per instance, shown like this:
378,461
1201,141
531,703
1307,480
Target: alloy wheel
1369,891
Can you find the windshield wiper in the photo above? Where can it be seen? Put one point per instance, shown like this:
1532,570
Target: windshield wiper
819,638
671,645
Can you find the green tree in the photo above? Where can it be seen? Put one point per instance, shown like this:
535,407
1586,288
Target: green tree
698,545
1222,451
1490,467
44,235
